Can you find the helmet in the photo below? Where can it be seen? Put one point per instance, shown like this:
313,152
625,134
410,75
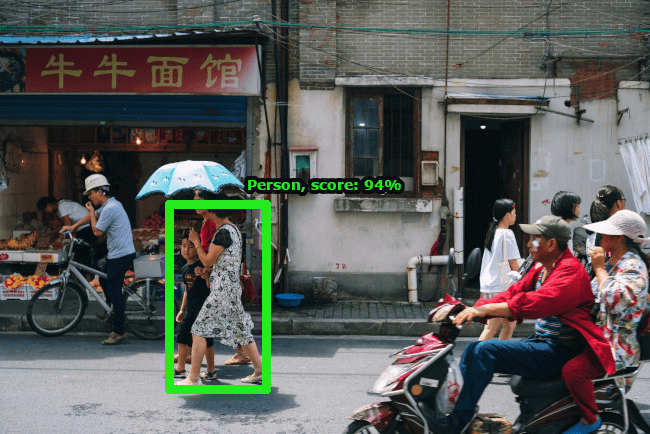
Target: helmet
94,181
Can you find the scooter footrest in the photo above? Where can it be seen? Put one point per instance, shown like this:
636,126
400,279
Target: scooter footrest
524,387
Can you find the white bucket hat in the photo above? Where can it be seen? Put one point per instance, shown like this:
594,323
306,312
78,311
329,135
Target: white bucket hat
94,181
624,222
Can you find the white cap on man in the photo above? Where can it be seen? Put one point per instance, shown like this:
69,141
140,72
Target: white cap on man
95,181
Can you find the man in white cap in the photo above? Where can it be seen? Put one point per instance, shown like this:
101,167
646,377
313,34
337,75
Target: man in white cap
106,214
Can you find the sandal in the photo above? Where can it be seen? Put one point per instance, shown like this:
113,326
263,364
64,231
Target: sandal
188,382
252,379
238,359
209,376
179,374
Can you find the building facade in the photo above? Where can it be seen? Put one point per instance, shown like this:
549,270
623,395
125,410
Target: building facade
465,101
510,98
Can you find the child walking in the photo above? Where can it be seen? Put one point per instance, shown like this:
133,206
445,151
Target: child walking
196,291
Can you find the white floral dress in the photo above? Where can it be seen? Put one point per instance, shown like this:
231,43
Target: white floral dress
222,315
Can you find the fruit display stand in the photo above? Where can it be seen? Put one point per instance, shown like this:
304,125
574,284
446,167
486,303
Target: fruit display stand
18,287
150,238
33,256
44,249
11,293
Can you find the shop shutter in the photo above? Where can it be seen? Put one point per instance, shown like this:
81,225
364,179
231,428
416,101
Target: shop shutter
123,110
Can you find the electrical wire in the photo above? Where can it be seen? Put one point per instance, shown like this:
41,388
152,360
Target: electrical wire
491,33
409,33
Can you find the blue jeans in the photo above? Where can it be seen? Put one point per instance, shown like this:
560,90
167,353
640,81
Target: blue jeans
533,357
115,271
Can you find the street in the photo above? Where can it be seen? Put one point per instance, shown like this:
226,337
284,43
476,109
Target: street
74,384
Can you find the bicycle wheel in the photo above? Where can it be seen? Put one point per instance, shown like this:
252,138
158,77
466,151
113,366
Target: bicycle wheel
56,308
145,313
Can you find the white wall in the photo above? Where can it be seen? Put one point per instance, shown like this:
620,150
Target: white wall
323,241
564,155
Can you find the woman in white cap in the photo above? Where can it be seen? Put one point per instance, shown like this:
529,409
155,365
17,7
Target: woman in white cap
620,289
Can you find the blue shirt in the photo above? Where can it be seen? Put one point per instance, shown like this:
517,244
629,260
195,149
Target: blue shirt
114,221
552,328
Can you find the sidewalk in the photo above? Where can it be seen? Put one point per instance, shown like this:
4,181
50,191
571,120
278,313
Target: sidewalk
348,317
362,317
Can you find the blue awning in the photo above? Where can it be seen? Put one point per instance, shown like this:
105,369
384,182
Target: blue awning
123,110
197,36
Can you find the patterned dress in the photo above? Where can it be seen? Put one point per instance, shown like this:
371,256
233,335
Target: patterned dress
621,301
222,315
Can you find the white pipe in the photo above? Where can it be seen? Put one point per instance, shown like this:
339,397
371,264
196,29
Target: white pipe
413,275
458,225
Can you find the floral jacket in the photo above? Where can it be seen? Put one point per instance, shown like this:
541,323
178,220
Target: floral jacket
620,302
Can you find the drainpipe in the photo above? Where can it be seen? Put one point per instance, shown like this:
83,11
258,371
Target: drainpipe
413,275
458,225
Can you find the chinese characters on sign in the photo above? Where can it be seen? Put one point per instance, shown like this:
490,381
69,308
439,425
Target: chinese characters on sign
215,70
113,64
59,69
167,75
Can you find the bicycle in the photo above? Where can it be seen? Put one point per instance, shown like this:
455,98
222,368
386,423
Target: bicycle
59,306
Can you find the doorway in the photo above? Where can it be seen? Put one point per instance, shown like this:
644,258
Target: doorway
495,155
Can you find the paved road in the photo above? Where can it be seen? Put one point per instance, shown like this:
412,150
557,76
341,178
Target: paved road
72,384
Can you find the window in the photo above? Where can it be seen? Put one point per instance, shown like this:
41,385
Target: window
383,134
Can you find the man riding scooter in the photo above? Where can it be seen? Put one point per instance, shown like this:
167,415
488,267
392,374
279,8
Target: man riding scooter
558,294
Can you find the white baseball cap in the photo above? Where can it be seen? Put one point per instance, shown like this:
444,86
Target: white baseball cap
624,222
94,181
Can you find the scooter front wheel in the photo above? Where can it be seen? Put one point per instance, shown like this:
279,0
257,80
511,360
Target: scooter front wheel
365,427
361,427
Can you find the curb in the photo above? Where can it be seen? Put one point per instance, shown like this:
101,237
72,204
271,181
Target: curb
372,327
303,326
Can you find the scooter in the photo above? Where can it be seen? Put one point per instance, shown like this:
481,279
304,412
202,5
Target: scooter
413,381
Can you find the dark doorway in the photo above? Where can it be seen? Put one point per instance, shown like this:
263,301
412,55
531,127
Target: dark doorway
495,157
122,171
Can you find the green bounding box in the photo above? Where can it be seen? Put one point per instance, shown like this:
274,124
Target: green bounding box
265,388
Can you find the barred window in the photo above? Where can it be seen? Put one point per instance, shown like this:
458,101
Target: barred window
383,134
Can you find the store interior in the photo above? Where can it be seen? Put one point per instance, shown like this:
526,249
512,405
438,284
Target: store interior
55,160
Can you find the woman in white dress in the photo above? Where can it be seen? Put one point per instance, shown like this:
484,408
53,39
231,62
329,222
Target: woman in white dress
222,316
504,215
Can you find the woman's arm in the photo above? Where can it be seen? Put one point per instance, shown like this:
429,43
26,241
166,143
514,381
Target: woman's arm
211,257
622,290
512,249
207,258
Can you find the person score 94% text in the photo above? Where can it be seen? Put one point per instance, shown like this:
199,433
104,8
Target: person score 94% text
368,185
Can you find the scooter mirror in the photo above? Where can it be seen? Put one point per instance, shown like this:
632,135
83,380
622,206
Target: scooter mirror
473,264
451,263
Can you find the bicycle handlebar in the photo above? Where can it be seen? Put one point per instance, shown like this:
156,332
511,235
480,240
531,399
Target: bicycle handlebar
75,240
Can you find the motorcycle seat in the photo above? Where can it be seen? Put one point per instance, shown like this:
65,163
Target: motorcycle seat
527,387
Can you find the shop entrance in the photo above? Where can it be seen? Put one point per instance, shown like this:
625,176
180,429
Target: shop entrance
495,162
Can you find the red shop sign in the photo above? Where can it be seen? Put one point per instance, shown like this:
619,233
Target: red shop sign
171,69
